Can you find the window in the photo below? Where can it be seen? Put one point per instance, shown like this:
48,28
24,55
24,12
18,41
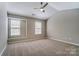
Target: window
38,27
14,27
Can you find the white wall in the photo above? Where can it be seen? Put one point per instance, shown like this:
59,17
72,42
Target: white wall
64,26
3,27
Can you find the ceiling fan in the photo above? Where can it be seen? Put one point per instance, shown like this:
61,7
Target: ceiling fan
43,5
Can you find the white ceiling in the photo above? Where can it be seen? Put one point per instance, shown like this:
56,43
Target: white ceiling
27,8
64,5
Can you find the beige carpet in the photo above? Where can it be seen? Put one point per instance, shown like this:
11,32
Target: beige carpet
42,47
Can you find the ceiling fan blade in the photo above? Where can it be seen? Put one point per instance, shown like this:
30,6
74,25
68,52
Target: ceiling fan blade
36,8
44,5
41,3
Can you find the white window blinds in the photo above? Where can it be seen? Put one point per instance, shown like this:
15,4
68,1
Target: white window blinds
38,27
15,27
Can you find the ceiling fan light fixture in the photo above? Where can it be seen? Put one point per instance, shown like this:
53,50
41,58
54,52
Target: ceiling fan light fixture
41,9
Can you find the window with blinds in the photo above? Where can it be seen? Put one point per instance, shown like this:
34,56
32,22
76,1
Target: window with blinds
38,27
17,27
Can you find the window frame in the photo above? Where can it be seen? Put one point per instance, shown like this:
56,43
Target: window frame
38,28
9,27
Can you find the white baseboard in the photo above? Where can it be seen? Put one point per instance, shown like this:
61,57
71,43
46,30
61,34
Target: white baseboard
3,51
66,42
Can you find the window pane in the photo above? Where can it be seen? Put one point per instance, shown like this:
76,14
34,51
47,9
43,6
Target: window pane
38,27
15,32
37,31
37,24
15,23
